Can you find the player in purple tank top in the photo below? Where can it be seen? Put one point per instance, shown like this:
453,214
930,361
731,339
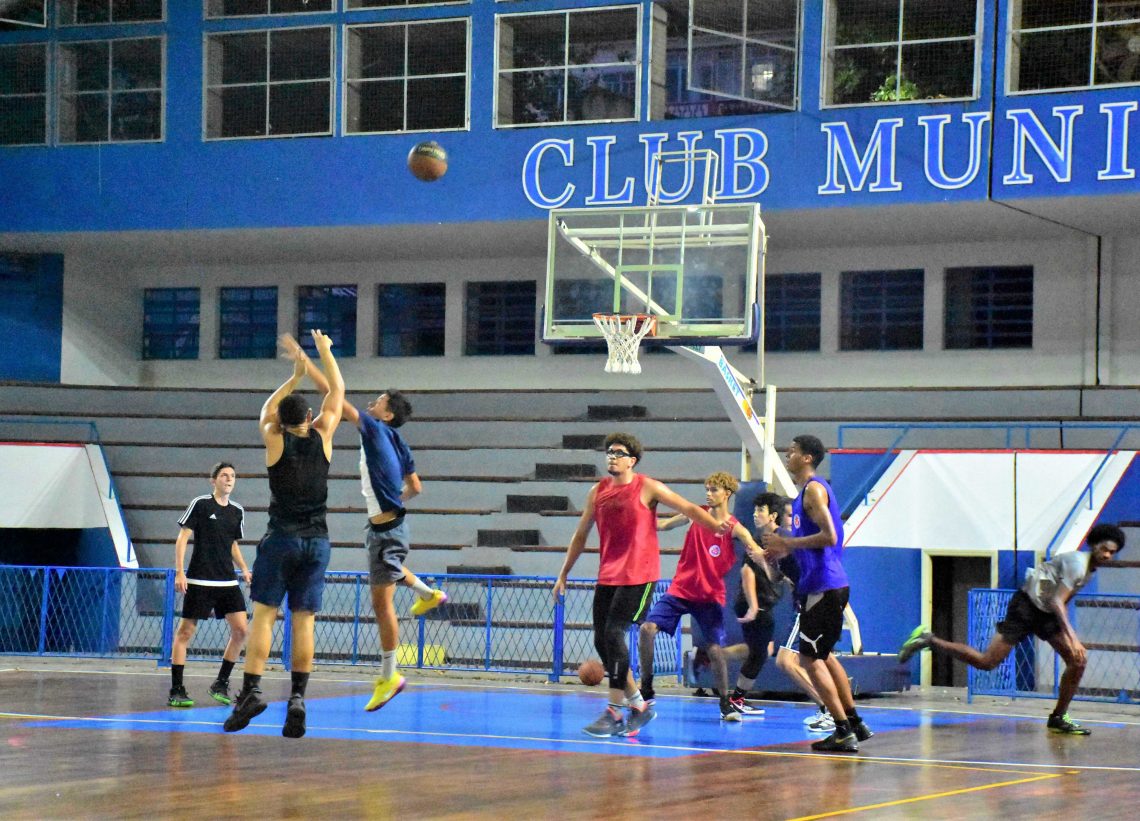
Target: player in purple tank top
817,539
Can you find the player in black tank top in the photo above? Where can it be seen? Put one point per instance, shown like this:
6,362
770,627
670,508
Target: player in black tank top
298,487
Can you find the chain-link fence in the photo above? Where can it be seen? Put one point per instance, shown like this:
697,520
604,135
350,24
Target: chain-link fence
1109,627
506,624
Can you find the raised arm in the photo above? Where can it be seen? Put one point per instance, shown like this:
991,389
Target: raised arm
268,420
293,348
577,544
331,406
672,522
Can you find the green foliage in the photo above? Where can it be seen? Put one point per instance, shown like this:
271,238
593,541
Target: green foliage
893,90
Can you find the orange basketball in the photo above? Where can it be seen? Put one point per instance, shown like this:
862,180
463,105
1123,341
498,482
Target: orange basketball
427,161
591,672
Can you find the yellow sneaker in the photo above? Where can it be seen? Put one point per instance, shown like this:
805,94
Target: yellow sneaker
386,690
421,606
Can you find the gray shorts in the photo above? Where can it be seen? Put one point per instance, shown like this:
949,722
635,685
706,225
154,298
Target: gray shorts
387,550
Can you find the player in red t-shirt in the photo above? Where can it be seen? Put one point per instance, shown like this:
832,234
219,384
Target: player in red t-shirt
624,505
698,586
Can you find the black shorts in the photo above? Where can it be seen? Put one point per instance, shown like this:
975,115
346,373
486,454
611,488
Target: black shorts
621,604
201,600
821,622
1023,617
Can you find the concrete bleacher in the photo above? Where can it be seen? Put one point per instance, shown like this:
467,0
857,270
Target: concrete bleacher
504,475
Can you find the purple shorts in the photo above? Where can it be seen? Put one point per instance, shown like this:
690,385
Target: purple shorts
667,611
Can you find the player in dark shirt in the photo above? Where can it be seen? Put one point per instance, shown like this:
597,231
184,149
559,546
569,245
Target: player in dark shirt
216,523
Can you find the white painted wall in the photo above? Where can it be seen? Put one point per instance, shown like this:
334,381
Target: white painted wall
103,319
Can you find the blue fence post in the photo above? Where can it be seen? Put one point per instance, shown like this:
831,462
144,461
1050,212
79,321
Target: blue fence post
287,640
356,622
490,603
167,621
680,662
44,610
559,638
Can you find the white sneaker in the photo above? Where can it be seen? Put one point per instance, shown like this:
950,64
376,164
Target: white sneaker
820,722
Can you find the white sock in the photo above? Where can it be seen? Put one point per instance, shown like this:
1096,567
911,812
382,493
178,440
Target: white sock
387,663
636,702
421,589
745,684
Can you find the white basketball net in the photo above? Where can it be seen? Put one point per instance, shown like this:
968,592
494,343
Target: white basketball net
623,335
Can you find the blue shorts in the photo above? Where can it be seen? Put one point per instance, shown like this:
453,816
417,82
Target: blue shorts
293,565
667,611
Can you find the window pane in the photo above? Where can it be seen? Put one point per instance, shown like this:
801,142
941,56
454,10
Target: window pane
299,108
237,8
133,11
531,96
866,21
500,318
332,308
299,6
170,323
248,323
23,69
240,58
597,95
989,307
603,37
532,41
938,70
23,121
136,116
773,21
411,319
437,103
136,63
861,73
791,312
929,19
84,66
437,48
240,112
1053,59
1117,54
881,310
299,55
83,118
376,106
376,51
1036,13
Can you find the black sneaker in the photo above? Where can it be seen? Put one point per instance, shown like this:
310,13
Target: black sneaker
294,718
179,698
728,711
248,707
836,743
220,692
861,730
1066,726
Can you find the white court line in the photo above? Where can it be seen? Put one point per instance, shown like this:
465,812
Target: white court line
590,742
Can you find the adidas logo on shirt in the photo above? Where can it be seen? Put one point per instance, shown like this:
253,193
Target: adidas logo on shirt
214,516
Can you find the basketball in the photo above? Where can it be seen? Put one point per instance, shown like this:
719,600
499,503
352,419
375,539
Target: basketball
591,672
427,161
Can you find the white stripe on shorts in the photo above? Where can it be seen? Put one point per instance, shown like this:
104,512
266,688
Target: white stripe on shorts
788,645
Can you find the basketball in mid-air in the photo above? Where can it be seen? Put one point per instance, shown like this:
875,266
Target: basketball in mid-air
427,161
591,672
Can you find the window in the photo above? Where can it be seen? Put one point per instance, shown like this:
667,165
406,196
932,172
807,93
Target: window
881,310
791,312
23,95
247,327
575,66
580,299
500,318
989,307
269,83
410,319
881,51
170,323
110,90
352,5
1074,44
257,8
91,12
332,308
406,77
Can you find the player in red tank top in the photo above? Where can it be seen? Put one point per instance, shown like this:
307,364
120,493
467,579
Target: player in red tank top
698,587
624,506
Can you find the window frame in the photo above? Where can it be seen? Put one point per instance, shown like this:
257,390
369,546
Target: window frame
60,23
788,277
334,4
58,90
1012,49
885,319
267,83
504,285
404,6
638,66
827,61
991,328
47,94
345,79
381,324
223,329
197,328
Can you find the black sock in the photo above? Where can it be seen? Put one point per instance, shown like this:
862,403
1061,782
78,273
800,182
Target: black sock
853,716
249,681
227,668
300,682
176,675
842,727
737,693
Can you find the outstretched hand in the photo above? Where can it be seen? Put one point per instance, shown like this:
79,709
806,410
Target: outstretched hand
321,340
292,350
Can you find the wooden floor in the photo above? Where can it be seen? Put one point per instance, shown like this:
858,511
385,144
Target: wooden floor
99,742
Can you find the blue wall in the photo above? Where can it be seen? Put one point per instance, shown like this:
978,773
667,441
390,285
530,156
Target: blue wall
31,317
783,159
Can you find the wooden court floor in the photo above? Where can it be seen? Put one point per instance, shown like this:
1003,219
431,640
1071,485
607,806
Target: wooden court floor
96,741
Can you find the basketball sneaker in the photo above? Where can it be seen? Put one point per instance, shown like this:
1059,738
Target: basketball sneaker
820,722
421,606
919,639
836,743
179,698
248,707
638,719
1066,726
744,708
386,689
609,723
220,692
294,717
861,730
728,711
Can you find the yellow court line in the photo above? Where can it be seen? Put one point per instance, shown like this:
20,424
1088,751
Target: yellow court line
926,797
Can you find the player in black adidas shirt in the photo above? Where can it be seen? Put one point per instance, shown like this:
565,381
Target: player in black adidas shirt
210,588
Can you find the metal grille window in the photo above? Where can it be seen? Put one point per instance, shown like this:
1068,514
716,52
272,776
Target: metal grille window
411,319
110,90
881,310
353,5
248,323
332,308
258,8
170,323
1061,44
23,95
500,318
574,66
406,77
93,12
989,307
791,312
269,83
881,51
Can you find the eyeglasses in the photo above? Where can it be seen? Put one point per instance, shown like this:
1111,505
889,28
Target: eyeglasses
617,454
